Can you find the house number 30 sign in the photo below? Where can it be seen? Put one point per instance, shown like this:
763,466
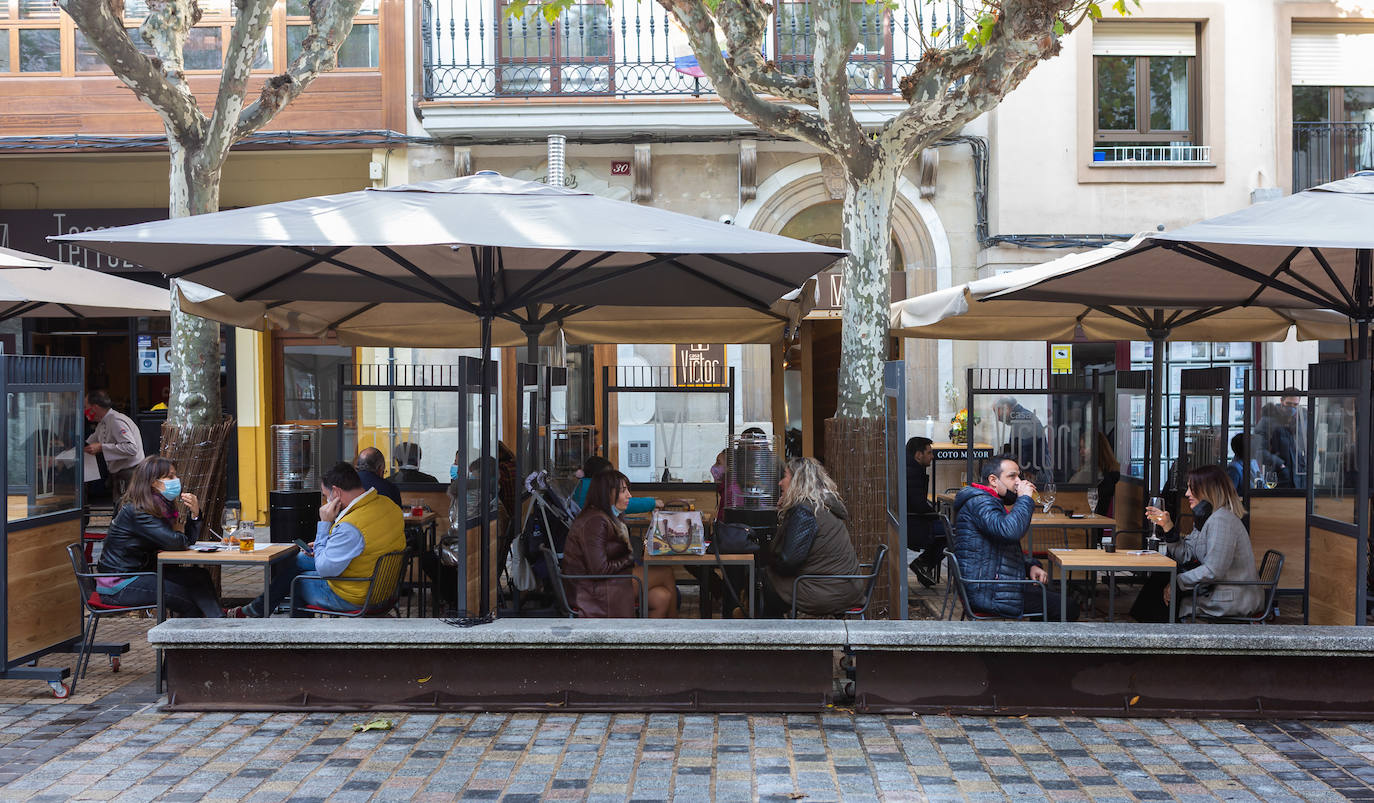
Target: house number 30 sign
620,168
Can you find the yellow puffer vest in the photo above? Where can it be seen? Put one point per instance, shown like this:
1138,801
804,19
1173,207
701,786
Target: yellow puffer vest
383,529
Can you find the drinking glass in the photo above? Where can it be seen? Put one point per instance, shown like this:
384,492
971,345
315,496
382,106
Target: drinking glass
1092,501
1047,495
231,520
246,533
1271,479
1156,502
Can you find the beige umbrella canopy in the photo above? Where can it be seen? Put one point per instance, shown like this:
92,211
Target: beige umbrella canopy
10,258
66,291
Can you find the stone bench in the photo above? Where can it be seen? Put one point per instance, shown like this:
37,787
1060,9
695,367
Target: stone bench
749,665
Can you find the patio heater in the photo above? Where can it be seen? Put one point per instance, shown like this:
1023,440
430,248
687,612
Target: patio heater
294,502
752,470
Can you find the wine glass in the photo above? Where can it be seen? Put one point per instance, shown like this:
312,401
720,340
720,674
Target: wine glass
1092,501
1156,502
231,520
1047,495
1271,479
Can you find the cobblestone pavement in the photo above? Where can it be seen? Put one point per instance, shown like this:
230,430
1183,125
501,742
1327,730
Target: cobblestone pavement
109,742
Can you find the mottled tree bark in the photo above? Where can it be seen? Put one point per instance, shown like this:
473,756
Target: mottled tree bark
199,144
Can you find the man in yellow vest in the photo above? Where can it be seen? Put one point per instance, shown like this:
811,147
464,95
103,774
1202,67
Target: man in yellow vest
357,526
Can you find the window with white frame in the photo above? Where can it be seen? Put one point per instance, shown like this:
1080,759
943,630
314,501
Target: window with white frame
1145,94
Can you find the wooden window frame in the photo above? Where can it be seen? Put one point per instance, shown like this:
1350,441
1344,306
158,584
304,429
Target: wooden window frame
556,61
1143,132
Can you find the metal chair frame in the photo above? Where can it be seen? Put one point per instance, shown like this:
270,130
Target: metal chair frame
91,616
871,582
960,584
557,577
386,577
1271,569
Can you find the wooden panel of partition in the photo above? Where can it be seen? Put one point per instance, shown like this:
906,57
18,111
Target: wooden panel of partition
438,501
472,595
43,607
1277,522
1331,578
1128,505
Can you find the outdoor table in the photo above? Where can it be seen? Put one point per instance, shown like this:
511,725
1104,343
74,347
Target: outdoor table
699,565
1042,520
1098,560
423,528
264,555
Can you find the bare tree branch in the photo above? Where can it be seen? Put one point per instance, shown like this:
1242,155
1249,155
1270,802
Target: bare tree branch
245,39
160,82
731,87
744,23
836,37
330,22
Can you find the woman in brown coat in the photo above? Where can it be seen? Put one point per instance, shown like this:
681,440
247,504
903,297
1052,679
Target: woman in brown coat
600,543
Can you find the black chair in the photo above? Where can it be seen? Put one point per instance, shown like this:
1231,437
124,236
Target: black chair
557,577
94,608
382,594
1271,568
960,585
870,581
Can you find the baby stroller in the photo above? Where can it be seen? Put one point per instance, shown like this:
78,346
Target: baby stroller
547,520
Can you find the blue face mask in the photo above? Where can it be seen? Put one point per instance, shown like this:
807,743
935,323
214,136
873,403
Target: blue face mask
171,489
453,472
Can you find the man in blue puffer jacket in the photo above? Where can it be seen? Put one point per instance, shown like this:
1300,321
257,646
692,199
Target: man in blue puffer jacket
989,522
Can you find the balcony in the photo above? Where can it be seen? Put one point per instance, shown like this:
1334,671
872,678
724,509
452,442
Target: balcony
475,49
1325,152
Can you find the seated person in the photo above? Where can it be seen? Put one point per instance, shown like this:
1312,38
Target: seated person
1235,470
812,539
600,543
597,464
371,465
357,526
473,479
989,522
925,530
408,464
1217,550
154,516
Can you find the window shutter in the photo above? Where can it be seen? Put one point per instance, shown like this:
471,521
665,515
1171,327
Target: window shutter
1145,39
1333,54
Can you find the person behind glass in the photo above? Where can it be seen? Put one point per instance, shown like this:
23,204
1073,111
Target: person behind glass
357,526
156,516
989,522
371,465
1026,441
925,530
1291,400
1217,550
1235,470
597,464
116,438
1276,436
600,543
408,464
812,538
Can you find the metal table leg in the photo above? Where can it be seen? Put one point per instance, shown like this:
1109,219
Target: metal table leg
1064,596
1173,594
267,589
161,617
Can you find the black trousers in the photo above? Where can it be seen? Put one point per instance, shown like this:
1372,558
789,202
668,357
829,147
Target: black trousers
1031,600
186,591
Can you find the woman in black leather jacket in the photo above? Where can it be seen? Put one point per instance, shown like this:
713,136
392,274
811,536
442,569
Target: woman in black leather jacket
146,523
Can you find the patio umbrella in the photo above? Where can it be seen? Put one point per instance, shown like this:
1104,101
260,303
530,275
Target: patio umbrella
487,247
66,291
957,313
10,258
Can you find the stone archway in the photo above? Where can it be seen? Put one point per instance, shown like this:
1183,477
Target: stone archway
921,239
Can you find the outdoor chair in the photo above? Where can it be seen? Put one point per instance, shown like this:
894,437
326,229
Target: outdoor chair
870,582
960,585
382,594
1271,568
94,608
560,593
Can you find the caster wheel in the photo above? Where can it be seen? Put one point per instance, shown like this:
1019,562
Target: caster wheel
114,663
60,690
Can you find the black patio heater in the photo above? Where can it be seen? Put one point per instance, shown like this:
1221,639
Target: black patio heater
294,502
752,469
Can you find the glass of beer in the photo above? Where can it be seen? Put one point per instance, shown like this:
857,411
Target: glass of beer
246,529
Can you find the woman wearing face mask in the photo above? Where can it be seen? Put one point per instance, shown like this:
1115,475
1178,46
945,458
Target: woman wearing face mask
600,543
156,515
597,464
1216,551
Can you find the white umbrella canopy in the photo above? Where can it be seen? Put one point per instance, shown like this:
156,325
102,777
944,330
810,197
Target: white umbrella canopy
955,312
10,258
66,291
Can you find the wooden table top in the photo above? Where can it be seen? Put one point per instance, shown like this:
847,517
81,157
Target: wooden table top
428,517
262,553
690,560
1097,559
1091,521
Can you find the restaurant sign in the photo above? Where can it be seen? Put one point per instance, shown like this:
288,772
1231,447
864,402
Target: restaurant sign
28,230
699,365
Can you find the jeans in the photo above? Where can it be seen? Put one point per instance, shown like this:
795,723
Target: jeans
315,591
186,591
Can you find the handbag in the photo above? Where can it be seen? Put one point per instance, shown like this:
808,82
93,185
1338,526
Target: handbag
733,538
678,532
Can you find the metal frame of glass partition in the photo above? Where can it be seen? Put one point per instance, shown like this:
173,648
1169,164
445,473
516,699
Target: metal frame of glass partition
894,439
1212,437
1129,507
463,378
533,437
1275,514
47,567
1337,528
657,379
1033,382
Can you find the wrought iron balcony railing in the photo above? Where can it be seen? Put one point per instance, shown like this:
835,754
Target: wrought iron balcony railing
475,49
1325,152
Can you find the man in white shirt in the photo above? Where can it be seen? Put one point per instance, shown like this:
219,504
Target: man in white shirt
116,437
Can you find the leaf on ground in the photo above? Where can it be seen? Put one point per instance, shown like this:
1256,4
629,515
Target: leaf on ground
374,725
1134,700
425,679
796,796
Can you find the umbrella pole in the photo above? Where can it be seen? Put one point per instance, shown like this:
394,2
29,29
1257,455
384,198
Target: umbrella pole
485,478
1156,409
532,330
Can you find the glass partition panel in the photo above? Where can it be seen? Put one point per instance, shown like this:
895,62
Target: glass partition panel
1132,430
43,447
1334,464
1278,442
1015,426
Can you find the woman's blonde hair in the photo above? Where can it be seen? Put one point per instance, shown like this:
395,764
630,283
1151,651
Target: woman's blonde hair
809,485
1210,483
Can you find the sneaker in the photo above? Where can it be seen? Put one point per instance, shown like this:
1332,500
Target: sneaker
235,613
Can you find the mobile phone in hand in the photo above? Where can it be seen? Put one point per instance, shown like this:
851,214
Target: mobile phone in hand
304,547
